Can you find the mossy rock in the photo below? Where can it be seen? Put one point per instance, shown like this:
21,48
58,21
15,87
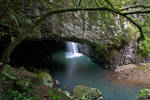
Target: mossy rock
22,68
46,78
43,70
21,78
86,93
144,94
33,69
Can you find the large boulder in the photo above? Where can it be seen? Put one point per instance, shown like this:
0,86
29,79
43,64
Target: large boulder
81,92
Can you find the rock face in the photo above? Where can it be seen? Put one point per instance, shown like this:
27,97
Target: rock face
86,93
86,50
114,58
127,54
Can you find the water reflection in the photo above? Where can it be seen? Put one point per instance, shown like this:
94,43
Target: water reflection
70,69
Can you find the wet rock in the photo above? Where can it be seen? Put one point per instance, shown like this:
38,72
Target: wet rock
57,82
83,48
81,92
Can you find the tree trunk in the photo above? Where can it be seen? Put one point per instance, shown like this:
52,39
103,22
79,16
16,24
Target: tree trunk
6,54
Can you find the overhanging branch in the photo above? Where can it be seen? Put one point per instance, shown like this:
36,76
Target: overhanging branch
137,12
5,10
136,6
138,26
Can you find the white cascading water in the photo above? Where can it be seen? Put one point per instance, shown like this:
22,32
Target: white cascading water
72,50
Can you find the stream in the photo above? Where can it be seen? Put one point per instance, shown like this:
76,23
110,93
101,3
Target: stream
72,68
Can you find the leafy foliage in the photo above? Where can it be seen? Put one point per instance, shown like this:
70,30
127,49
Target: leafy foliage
144,93
54,96
16,95
145,45
145,48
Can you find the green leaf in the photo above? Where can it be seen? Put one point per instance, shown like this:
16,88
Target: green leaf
13,17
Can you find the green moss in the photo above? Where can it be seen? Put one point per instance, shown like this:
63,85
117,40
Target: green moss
22,68
33,69
54,96
46,79
114,53
43,70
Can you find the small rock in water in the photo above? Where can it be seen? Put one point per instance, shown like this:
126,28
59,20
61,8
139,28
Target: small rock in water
57,82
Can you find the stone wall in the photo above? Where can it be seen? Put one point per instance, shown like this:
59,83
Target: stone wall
127,55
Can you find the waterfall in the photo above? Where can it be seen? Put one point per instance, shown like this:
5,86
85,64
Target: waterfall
72,50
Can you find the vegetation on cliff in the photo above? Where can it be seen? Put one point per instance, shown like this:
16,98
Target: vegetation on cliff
18,20
118,21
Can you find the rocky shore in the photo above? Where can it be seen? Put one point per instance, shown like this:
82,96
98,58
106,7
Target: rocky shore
134,73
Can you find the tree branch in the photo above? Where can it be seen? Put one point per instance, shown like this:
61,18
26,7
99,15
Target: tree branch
5,11
137,12
52,3
138,26
4,25
136,6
